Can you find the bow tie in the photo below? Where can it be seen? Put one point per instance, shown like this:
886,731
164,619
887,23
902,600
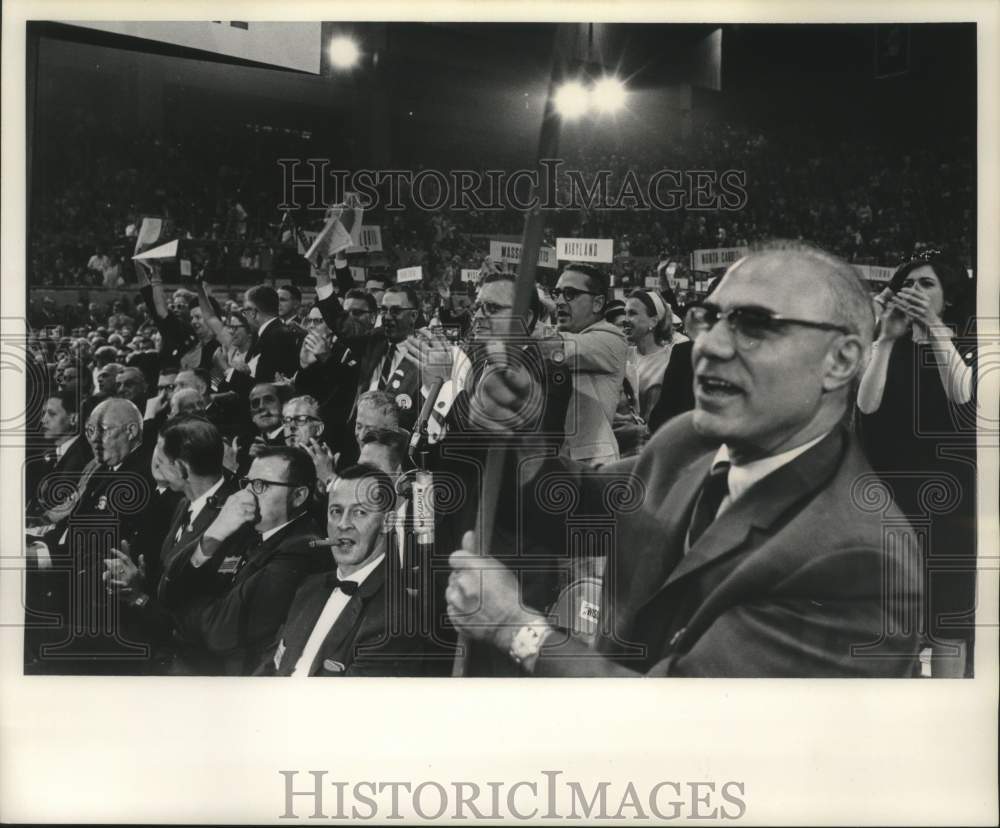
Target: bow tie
347,587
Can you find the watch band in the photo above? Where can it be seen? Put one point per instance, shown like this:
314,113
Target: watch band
527,642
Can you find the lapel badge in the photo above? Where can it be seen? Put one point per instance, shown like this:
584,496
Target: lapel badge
404,401
230,564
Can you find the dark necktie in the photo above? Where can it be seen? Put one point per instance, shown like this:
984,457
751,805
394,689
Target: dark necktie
347,587
185,522
713,492
383,378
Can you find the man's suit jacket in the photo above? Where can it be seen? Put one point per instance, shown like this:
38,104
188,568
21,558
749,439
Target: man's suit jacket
368,349
46,471
596,357
109,509
278,348
333,381
174,546
228,610
364,640
794,579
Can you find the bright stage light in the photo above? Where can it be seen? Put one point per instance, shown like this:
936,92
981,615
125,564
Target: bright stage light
572,99
344,52
608,95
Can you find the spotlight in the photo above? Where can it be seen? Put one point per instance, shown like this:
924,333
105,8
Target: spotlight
344,52
572,99
608,94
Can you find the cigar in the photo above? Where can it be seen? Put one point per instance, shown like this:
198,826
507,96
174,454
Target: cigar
313,544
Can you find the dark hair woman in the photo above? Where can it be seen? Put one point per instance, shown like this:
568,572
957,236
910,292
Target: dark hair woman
917,418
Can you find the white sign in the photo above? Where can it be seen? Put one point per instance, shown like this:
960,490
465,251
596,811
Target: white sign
289,45
510,253
357,274
410,274
682,283
585,250
719,257
874,273
164,251
470,274
370,242
653,282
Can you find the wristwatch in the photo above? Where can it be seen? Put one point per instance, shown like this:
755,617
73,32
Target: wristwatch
527,642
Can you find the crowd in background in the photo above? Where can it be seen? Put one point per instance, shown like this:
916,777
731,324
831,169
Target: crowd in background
862,199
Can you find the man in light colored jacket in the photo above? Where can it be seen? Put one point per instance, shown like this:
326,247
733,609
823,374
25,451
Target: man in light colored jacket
596,352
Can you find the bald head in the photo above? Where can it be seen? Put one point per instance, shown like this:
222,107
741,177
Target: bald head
842,297
114,430
781,369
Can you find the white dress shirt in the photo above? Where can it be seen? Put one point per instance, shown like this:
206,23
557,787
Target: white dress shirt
335,605
196,506
742,477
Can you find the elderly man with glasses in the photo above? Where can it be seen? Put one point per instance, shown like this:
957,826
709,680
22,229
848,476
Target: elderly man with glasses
750,536
112,493
230,596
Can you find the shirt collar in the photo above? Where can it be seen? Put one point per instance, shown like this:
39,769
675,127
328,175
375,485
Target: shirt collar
199,502
742,477
265,535
359,576
273,435
264,326
63,447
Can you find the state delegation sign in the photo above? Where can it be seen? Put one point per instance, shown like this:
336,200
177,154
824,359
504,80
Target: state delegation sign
585,250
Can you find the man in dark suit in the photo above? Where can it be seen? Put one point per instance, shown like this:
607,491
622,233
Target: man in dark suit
231,594
276,347
743,539
188,458
382,362
107,509
352,621
328,371
67,455
266,402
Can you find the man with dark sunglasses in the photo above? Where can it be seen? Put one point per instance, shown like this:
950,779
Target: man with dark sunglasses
595,352
230,596
747,537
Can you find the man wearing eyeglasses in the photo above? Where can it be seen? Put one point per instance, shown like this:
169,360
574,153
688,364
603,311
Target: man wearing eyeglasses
112,493
231,595
750,545
329,370
596,352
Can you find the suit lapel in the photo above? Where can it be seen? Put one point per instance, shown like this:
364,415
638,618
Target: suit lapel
336,639
673,516
298,628
765,502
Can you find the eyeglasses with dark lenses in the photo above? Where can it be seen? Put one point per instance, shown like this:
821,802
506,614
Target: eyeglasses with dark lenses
749,324
394,310
264,399
490,308
300,419
570,293
259,485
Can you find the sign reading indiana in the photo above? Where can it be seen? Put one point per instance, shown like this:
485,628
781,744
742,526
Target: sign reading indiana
510,253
